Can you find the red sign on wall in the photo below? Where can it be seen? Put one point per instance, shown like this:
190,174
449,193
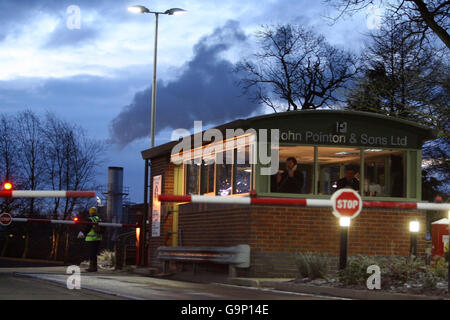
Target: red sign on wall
5,219
346,203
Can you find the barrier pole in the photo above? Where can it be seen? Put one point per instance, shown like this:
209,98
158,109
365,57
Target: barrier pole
71,222
299,202
46,194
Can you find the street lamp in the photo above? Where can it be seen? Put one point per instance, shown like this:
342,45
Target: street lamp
414,229
141,9
170,12
344,222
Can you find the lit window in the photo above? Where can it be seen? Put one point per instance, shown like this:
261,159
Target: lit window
338,168
224,173
243,171
384,174
296,171
207,176
192,176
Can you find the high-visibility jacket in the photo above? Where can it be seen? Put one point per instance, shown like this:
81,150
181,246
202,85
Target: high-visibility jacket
92,235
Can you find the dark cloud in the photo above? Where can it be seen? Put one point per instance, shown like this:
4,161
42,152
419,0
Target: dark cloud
16,13
91,101
207,90
62,36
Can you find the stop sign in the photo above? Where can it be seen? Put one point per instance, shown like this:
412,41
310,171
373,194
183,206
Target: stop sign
5,219
346,203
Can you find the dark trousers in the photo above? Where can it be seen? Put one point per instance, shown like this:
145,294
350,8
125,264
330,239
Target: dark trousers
94,246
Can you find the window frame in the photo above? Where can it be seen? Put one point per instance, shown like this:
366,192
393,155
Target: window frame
412,184
412,175
233,173
185,178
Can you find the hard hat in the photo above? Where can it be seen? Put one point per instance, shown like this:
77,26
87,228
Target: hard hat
92,210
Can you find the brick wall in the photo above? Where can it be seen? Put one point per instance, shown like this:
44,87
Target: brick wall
214,225
277,233
161,166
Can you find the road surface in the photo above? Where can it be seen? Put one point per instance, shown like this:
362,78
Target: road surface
28,280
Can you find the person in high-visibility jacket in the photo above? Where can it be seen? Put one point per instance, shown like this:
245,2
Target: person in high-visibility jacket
93,239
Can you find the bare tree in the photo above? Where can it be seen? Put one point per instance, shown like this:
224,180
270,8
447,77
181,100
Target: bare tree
54,161
8,168
71,160
47,153
8,158
30,158
420,17
55,133
295,69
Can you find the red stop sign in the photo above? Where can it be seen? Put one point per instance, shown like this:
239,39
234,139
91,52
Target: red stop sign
5,219
346,203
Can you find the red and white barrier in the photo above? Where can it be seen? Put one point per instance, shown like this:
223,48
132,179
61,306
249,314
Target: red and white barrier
46,194
59,194
71,222
299,202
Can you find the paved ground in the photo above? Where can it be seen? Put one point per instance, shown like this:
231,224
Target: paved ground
20,263
28,280
24,288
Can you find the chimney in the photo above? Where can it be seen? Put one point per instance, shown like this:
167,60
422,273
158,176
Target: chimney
115,195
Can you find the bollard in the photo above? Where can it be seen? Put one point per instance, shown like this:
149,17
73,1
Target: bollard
344,223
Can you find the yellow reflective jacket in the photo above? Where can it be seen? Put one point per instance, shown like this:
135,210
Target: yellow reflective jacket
92,235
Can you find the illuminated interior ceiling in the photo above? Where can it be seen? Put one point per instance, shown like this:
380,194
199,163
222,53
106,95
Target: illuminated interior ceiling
305,154
338,155
301,153
379,154
208,152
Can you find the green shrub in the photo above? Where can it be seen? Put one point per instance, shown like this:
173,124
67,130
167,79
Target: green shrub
356,270
107,258
430,281
394,271
312,266
402,269
439,267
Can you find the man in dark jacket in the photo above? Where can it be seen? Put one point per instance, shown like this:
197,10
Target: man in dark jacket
291,180
349,181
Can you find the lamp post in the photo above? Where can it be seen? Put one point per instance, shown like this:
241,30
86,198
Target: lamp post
170,12
413,229
344,222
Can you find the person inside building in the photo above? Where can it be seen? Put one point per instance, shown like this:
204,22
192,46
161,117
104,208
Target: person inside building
93,238
291,180
350,180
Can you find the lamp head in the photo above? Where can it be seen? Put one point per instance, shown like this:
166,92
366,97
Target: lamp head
175,11
344,221
414,226
138,9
